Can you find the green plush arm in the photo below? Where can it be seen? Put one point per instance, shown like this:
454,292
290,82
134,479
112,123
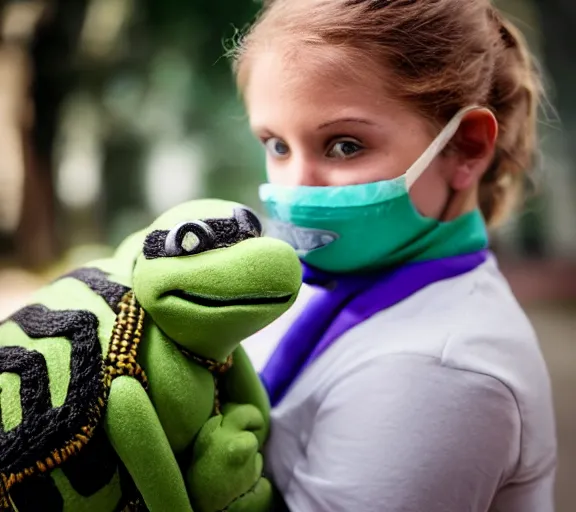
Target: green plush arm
135,432
242,385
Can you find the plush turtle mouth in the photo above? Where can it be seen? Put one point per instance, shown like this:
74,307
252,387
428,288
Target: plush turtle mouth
219,302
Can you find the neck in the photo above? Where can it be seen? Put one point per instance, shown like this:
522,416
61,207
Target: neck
460,203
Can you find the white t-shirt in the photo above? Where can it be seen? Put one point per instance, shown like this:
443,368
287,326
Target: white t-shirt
441,403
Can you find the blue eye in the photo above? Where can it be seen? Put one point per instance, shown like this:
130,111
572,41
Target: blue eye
277,147
344,149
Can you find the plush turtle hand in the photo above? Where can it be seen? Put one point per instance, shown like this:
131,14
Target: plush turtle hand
226,472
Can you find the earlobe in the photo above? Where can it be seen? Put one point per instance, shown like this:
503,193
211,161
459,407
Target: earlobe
463,178
475,145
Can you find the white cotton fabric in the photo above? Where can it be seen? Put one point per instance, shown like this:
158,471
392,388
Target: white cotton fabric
441,403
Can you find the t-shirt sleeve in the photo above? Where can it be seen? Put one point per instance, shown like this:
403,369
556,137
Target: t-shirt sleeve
406,434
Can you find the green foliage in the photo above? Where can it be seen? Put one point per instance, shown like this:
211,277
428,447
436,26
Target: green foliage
173,83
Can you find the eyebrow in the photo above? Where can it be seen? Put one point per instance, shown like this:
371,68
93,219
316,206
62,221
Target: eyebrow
263,130
346,120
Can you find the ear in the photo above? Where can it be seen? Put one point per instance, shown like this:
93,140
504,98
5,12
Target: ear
474,144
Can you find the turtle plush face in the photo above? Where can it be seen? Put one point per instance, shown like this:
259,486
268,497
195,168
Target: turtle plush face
209,279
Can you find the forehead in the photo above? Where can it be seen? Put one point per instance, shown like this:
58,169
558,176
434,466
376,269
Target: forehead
305,84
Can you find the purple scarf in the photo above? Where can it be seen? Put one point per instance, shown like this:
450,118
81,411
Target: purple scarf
342,303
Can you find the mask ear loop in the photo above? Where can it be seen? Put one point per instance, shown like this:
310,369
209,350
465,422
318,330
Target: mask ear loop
437,146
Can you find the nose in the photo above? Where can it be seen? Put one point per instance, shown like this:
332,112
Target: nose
305,171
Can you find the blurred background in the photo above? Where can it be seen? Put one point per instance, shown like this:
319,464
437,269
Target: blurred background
112,111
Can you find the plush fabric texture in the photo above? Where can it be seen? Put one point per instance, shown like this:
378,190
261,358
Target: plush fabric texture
55,435
226,280
44,428
241,294
226,233
223,442
137,436
99,282
111,372
94,467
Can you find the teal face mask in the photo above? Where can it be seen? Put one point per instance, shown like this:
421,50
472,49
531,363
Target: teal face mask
369,226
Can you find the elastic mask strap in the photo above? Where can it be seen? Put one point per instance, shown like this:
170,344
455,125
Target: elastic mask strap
437,146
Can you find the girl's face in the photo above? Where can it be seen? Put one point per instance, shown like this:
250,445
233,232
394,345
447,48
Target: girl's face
321,127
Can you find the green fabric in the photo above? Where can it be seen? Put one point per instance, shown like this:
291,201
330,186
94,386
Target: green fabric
128,251
224,273
70,294
56,352
258,498
182,394
137,436
255,268
242,385
10,401
226,446
106,498
154,430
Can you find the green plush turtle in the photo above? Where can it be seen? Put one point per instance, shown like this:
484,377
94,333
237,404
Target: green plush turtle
109,375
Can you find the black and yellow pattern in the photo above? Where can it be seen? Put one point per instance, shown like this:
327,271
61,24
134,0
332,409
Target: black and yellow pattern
126,337
29,448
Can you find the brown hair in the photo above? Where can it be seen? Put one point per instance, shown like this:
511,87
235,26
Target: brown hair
443,55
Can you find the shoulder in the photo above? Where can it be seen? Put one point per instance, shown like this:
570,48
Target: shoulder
466,338
472,322
401,419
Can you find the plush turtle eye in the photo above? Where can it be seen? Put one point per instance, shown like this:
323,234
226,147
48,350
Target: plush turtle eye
189,238
248,221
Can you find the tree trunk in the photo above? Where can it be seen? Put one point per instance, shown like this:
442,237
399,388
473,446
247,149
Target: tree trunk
557,21
53,76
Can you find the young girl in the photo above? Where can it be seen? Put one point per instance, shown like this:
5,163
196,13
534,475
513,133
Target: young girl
409,379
